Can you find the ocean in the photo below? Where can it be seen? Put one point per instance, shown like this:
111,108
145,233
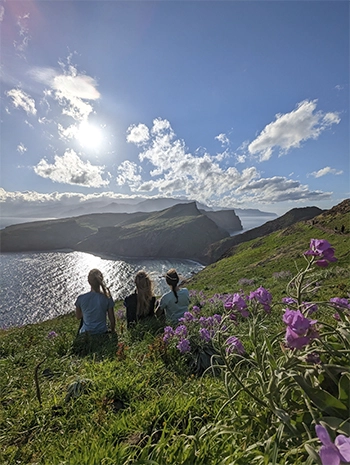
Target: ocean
38,286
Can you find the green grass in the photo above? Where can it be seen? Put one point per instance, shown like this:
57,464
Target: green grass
140,403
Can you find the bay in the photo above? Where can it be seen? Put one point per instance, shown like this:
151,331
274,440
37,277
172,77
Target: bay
38,286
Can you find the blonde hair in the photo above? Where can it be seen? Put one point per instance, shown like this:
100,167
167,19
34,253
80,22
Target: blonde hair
172,279
144,290
96,281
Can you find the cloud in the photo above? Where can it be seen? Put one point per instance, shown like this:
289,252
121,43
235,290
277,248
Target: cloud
339,87
70,169
2,12
138,135
22,44
22,100
176,172
223,139
326,170
21,148
291,129
128,174
73,91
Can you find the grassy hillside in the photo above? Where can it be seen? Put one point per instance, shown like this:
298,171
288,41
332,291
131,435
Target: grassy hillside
134,400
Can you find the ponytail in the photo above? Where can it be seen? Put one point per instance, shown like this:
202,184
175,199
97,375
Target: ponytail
172,279
96,281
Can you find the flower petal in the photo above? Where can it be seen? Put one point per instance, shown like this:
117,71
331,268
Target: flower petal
329,455
343,445
323,435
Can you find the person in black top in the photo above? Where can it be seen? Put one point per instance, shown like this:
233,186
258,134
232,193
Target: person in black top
142,302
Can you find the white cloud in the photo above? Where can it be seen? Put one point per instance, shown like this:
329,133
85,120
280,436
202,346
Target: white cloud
291,129
73,91
223,139
24,37
70,169
2,12
176,172
339,87
138,135
67,133
21,148
129,174
22,100
326,170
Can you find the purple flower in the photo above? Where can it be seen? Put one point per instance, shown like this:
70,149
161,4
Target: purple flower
310,308
297,322
217,318
236,302
289,300
196,309
205,334
294,341
322,249
52,335
184,346
234,345
299,331
333,453
181,331
262,296
340,302
187,317
313,358
168,334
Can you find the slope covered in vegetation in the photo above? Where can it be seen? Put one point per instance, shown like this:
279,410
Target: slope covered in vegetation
138,399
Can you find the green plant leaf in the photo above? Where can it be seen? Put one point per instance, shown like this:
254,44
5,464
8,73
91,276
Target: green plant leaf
337,424
322,399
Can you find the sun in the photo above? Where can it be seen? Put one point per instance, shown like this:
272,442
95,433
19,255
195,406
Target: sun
89,136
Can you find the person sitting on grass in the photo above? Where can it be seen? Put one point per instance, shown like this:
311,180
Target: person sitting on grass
174,303
141,303
94,306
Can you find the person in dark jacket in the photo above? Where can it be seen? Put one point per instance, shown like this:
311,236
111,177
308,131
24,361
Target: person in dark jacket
141,303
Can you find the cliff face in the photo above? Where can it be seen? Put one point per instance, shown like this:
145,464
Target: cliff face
225,219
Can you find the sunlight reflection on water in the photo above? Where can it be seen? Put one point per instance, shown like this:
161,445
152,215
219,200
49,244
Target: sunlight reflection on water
43,285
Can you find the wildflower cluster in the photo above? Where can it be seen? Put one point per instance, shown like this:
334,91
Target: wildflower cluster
194,330
322,251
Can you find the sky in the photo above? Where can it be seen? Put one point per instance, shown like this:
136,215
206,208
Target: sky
235,104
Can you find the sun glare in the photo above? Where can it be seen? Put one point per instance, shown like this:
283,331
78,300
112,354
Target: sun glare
89,136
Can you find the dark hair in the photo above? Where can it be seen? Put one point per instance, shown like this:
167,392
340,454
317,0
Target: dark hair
144,289
172,279
96,281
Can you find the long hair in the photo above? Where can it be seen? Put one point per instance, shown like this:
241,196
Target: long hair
144,290
172,279
96,281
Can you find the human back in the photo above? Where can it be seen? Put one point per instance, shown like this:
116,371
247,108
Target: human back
94,306
175,302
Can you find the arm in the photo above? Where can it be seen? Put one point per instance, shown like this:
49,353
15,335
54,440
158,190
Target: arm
111,317
78,313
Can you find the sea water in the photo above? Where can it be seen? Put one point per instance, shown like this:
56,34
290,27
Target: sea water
38,286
